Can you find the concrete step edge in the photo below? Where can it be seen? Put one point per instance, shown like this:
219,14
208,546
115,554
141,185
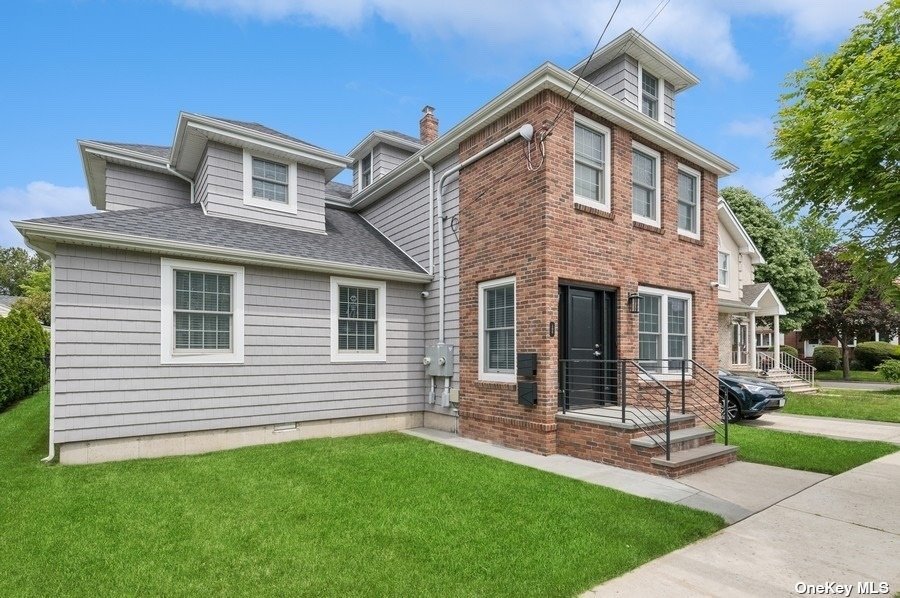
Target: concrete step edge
674,436
694,455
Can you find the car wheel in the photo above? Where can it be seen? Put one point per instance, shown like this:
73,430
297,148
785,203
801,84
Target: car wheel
733,412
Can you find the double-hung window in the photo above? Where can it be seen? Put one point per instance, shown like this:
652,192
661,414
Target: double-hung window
664,330
723,269
591,152
270,183
497,330
358,324
688,202
202,312
649,95
645,181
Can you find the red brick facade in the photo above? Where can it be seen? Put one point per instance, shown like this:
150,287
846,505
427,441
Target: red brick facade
514,222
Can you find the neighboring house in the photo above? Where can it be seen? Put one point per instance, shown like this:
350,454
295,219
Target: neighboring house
228,292
805,347
6,303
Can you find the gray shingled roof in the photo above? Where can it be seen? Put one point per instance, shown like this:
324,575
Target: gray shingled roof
160,151
263,129
752,292
340,190
409,138
350,239
8,300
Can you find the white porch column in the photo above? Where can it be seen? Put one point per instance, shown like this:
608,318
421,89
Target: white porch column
751,342
776,341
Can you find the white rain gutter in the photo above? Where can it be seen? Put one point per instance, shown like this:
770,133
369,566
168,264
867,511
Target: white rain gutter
430,214
184,178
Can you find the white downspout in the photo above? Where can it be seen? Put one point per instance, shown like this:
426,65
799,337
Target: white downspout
184,178
51,450
430,214
525,131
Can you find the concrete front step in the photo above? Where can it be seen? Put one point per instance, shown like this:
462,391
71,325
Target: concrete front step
685,461
678,438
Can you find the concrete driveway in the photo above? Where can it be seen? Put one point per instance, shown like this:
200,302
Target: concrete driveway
834,427
843,529
882,386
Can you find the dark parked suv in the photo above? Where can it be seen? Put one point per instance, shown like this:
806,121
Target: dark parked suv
748,398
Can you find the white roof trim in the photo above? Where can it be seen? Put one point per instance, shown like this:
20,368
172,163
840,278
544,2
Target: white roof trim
66,234
734,226
769,290
642,49
91,151
552,77
373,138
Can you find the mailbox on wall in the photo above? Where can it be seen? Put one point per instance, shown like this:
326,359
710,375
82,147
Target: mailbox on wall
526,365
527,393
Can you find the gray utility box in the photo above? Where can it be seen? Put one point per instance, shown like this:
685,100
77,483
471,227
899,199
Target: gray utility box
438,360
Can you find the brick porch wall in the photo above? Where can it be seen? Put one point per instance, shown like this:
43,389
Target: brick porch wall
521,223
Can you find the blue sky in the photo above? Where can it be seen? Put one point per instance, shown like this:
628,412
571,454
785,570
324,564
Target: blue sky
329,71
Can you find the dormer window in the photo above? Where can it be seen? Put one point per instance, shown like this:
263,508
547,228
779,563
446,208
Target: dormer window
269,183
365,171
649,95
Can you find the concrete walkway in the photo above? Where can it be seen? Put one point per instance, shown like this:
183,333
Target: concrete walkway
844,529
882,386
733,491
848,429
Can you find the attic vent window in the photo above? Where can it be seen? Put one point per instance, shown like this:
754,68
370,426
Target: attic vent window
366,171
649,95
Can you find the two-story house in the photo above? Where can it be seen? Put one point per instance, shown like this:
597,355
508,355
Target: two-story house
542,275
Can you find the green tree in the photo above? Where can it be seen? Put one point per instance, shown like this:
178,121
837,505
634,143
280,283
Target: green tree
36,288
838,136
788,269
15,264
813,233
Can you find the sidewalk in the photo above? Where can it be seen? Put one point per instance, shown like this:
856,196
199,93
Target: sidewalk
733,491
843,529
882,386
848,429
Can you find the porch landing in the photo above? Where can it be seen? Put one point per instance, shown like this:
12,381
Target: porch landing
733,491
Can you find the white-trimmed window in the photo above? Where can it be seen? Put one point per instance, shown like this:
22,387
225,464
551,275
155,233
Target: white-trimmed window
365,171
764,340
650,94
645,182
270,183
497,330
358,320
201,312
592,173
664,330
724,259
688,202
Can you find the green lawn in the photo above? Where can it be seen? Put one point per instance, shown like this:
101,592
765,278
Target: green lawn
371,515
855,376
804,451
873,405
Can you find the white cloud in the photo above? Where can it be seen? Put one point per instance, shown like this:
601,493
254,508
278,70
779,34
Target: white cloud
699,30
37,200
757,128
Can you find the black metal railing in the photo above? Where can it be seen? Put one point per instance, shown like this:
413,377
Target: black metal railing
639,392
621,390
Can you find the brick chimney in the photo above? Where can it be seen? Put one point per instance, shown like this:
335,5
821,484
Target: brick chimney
428,125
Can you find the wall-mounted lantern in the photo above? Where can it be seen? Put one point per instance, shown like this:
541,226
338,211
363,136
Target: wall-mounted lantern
634,303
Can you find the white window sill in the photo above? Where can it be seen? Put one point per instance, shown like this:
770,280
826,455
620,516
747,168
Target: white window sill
591,203
687,233
202,358
358,358
647,221
497,377
265,204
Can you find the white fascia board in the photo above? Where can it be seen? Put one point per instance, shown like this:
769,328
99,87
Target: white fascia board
372,139
552,77
781,310
65,234
734,225
106,152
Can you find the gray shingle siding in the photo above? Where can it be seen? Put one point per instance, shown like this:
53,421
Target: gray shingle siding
387,158
669,105
403,218
109,381
619,79
128,188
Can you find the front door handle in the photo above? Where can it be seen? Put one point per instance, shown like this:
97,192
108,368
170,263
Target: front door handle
597,354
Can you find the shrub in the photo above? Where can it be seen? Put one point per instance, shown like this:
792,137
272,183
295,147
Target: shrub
874,353
24,346
790,350
855,365
826,358
890,370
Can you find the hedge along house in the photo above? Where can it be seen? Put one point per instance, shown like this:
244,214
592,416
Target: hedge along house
540,276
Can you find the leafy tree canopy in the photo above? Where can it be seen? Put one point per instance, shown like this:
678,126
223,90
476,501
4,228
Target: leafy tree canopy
15,264
813,233
788,268
36,288
838,135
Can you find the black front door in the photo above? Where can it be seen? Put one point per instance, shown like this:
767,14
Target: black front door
588,347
